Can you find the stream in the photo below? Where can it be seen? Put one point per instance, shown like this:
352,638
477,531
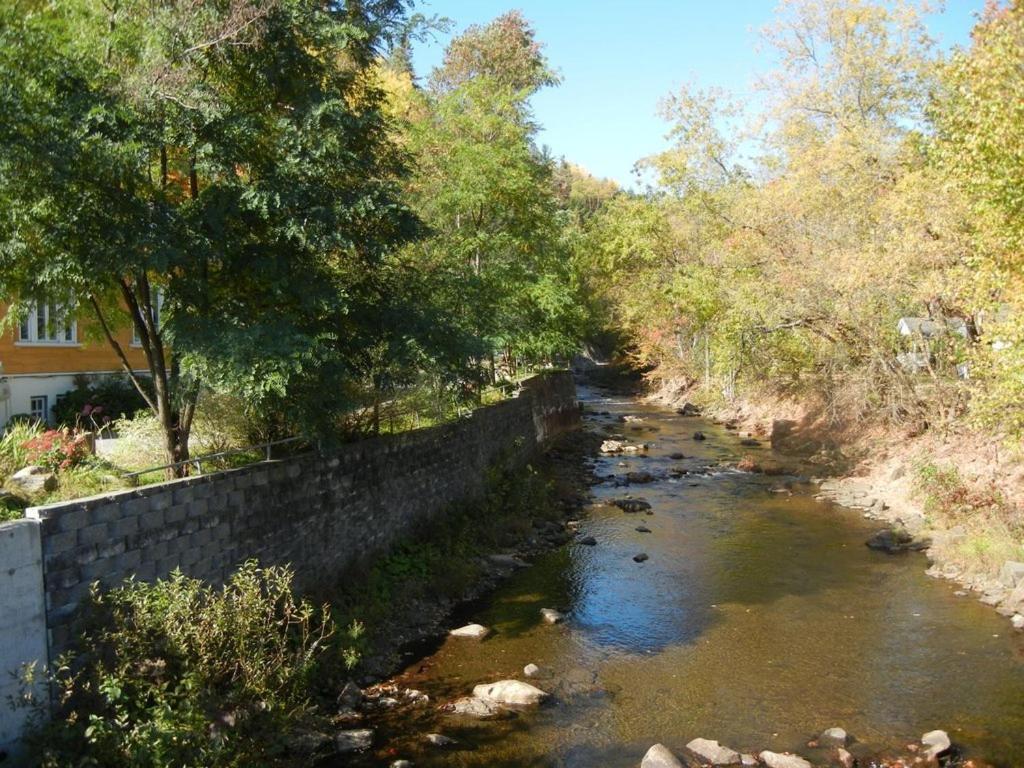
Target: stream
760,619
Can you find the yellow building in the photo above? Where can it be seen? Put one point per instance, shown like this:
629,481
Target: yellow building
42,355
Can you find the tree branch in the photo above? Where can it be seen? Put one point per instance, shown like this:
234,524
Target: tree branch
121,355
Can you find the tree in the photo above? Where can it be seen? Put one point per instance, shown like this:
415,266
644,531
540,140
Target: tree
979,147
498,260
228,157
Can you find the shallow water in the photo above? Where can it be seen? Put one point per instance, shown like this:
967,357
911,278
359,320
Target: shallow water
759,620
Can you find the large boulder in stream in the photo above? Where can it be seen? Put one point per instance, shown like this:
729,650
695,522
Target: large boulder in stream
659,756
894,541
783,760
688,409
471,706
512,693
632,505
474,631
936,744
711,752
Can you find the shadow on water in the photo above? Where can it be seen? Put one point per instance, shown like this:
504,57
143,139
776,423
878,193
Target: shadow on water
759,619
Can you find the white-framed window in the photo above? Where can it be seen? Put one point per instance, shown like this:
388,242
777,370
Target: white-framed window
157,302
37,408
48,323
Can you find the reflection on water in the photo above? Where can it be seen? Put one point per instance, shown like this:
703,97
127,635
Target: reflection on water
759,620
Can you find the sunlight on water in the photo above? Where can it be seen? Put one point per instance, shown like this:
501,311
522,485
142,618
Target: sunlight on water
760,619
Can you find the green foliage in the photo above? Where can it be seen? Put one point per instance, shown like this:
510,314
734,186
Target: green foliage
781,247
443,562
233,159
181,674
94,404
979,116
13,453
496,266
947,495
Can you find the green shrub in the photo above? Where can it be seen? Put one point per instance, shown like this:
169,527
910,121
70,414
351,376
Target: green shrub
93,404
179,674
11,508
945,493
13,454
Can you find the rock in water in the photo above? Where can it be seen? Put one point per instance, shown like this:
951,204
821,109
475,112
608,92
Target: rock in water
710,751
632,505
612,446
470,706
659,756
699,436
353,741
845,759
688,409
511,693
639,477
476,631
440,740
783,760
642,529
551,616
532,670
935,743
750,442
588,541
640,558
834,737
891,541
1017,621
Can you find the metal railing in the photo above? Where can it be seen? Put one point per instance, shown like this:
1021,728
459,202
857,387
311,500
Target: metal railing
132,478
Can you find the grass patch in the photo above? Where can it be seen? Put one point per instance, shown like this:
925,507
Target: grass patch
987,529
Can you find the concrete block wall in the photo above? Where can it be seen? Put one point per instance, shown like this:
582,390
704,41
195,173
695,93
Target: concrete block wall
22,623
322,515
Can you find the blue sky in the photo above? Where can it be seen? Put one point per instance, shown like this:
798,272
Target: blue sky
619,59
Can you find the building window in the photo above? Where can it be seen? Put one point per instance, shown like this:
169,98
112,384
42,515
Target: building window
37,408
48,324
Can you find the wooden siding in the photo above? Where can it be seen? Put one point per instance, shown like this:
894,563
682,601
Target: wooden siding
90,354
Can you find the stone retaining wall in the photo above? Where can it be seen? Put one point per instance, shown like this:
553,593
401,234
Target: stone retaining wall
22,622
322,515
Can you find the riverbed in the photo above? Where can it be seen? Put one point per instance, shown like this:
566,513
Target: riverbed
759,619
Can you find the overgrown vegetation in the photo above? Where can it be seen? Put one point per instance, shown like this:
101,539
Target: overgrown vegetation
880,179
182,674
983,529
266,199
443,562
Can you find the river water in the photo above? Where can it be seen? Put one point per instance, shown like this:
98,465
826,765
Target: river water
759,619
